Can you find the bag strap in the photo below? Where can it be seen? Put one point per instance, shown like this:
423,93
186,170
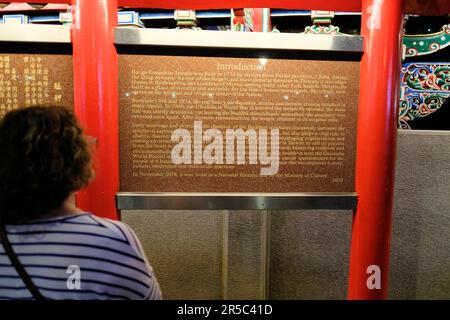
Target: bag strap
18,265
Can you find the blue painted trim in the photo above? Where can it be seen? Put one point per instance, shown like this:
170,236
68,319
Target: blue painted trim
44,19
156,16
287,13
213,14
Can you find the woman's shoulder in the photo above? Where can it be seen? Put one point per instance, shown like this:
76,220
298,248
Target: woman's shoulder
114,227
111,228
85,225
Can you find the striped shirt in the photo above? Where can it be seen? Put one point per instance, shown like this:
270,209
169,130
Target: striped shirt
81,257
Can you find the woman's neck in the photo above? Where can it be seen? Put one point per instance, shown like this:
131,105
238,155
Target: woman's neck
67,208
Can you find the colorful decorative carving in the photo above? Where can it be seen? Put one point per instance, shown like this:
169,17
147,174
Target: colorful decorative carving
251,20
241,19
322,17
322,24
418,105
419,76
317,29
186,19
418,45
425,88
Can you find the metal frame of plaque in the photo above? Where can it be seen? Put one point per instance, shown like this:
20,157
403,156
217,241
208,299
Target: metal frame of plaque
235,201
35,33
200,39
238,40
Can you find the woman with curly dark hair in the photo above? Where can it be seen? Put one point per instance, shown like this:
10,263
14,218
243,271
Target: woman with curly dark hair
52,249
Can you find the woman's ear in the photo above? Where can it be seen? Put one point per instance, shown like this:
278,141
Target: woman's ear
92,174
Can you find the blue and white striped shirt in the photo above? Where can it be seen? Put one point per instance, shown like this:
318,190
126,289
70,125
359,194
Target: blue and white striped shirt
80,257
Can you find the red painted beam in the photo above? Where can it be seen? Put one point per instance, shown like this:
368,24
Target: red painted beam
95,67
335,5
422,7
43,1
382,27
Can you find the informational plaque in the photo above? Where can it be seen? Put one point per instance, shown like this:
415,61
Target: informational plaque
35,79
208,124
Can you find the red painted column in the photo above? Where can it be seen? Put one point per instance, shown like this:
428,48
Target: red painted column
382,27
96,99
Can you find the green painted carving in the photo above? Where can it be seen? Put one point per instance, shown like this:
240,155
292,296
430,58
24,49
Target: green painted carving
427,76
323,29
322,24
418,45
186,19
418,105
425,88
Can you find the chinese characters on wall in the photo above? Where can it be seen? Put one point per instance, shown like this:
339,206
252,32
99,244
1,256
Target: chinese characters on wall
33,79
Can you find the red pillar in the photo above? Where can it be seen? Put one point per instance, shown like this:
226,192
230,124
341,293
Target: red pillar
382,27
95,97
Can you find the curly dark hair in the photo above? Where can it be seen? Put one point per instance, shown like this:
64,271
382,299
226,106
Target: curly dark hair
44,158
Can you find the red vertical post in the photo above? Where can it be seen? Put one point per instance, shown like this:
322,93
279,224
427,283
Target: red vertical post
382,28
96,99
